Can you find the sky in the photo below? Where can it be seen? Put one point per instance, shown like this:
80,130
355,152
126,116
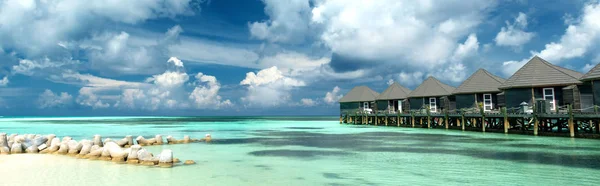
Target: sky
267,57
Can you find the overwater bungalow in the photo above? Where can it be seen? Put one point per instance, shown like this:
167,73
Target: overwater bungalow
432,94
539,79
590,90
393,99
359,99
479,88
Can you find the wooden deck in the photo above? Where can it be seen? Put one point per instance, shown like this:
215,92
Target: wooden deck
582,125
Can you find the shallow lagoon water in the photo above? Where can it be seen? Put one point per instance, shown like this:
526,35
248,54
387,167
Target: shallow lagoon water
306,151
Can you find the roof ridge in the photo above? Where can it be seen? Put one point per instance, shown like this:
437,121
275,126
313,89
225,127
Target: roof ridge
555,67
493,76
444,86
594,69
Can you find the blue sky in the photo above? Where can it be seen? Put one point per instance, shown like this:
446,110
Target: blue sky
269,57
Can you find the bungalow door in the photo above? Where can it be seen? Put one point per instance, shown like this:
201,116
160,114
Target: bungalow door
487,102
432,105
549,95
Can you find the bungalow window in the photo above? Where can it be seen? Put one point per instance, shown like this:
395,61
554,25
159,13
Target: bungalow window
366,105
487,102
549,95
432,105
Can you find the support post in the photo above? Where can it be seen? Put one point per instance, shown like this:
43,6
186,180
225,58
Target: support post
571,123
428,118
482,119
462,120
398,119
386,120
446,118
506,124
412,115
536,126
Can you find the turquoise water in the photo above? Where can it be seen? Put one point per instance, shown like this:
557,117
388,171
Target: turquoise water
306,151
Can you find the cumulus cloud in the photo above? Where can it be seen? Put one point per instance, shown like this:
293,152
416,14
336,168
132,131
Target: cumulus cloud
67,20
206,93
577,40
168,91
288,23
410,78
87,97
4,81
513,35
116,52
407,33
364,37
48,99
307,102
333,96
269,87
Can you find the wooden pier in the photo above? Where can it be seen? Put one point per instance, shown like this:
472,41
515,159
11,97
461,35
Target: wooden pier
566,124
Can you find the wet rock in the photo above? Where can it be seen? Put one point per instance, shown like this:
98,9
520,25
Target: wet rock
189,162
165,159
98,140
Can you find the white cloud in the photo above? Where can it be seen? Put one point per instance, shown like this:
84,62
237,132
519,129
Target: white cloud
288,23
333,96
578,38
175,61
223,53
410,78
87,97
73,20
513,35
390,82
307,102
269,87
169,79
119,53
31,67
206,93
292,62
50,100
467,49
4,81
411,33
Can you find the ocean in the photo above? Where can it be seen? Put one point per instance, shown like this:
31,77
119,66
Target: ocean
304,151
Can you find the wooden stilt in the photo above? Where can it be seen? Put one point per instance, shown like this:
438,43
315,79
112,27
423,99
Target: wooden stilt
535,126
413,121
463,122
482,119
386,120
571,123
506,124
446,122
